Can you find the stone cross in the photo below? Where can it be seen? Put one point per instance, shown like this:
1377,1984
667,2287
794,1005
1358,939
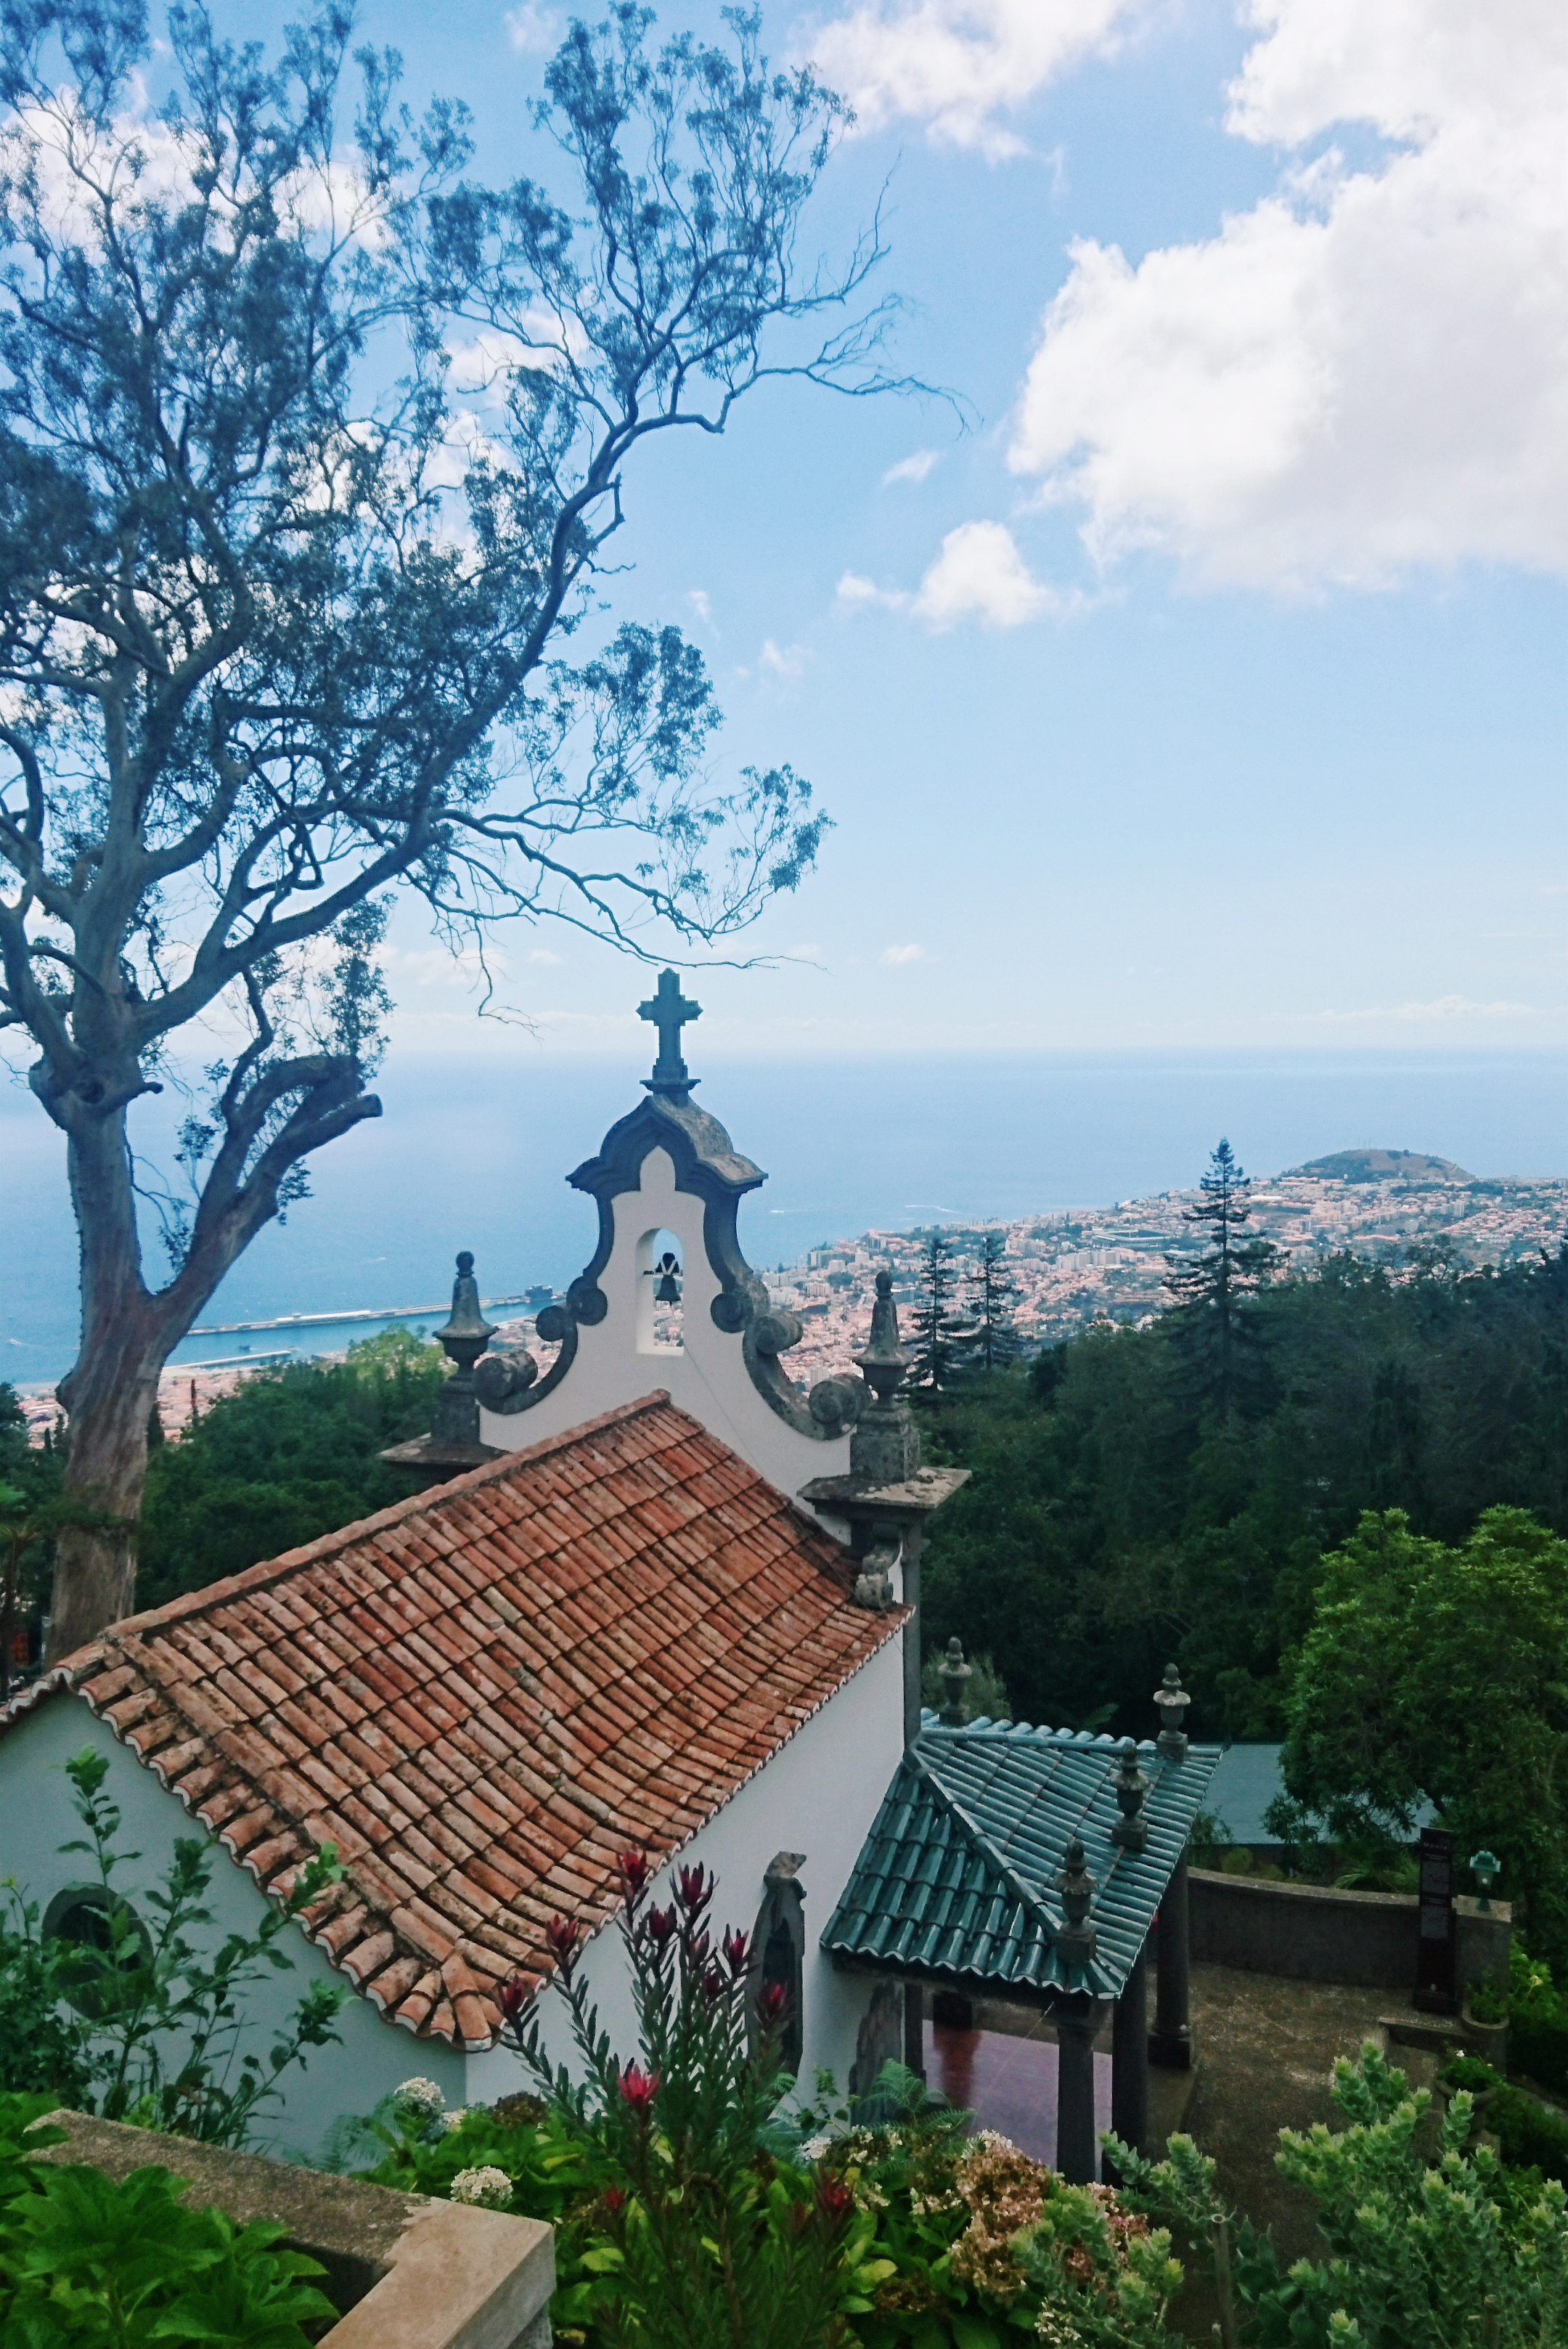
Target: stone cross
669,1009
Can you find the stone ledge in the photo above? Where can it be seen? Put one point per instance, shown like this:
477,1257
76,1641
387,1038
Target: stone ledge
406,2271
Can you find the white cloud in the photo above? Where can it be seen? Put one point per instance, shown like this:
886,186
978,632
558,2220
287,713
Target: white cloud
979,573
698,598
1441,1008
542,954
1367,371
532,27
912,469
903,954
956,64
436,966
785,661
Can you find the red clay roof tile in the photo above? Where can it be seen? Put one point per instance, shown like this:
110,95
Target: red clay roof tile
483,1693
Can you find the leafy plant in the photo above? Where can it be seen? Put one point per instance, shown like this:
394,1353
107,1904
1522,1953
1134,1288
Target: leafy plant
1422,2249
160,2029
714,2238
87,2263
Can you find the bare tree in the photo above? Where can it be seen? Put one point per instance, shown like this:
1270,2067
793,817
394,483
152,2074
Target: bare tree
310,449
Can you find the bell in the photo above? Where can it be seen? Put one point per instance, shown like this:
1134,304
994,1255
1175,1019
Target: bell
668,1291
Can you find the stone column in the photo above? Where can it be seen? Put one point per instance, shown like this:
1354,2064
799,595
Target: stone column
1129,2058
1170,2040
914,2029
912,1698
1077,2151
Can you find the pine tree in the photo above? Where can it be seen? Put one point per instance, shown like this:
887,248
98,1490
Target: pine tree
989,1292
936,1332
1212,1286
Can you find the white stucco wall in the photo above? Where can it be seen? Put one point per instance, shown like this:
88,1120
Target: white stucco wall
38,1815
617,1360
818,1796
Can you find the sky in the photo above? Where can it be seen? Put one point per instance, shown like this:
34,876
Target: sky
1190,674
1199,679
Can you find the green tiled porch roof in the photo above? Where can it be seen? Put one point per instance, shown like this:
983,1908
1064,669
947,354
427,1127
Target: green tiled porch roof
956,1882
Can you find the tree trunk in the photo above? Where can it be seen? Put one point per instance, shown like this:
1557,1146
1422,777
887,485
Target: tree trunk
111,1391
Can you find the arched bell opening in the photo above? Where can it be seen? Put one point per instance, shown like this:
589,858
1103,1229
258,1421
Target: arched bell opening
661,1285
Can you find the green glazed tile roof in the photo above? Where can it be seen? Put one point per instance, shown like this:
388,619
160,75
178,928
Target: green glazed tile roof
956,1880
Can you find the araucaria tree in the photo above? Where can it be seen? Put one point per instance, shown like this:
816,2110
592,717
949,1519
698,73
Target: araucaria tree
1213,1285
310,449
937,1334
990,1290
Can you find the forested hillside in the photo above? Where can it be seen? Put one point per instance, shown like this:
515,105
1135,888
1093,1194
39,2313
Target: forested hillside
1118,1515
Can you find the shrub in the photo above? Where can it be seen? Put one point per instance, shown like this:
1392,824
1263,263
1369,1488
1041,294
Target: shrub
157,2035
1457,2248
1537,2020
85,2263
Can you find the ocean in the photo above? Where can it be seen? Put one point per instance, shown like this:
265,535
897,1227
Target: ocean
474,1153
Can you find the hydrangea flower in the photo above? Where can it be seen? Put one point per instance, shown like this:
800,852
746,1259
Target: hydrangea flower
488,2188
454,2118
422,2097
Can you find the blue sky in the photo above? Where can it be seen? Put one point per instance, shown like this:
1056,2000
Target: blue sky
1209,688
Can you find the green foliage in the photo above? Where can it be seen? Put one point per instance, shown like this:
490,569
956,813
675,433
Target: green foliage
1114,1503
1537,2020
148,2025
85,2263
30,1513
938,1336
290,1455
1423,2247
1219,1342
716,2235
1400,1694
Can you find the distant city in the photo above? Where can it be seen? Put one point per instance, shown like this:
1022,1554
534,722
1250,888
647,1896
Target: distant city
1074,1266
1068,1268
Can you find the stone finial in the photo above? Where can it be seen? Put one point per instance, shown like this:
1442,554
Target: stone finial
1172,1701
1077,1941
669,1010
884,1362
466,1333
1130,1786
954,1673
885,1446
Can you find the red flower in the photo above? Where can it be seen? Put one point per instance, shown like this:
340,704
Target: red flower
634,1873
771,2004
834,2201
736,1950
514,1995
615,2200
560,1939
639,2088
713,1984
661,1926
698,1948
694,1890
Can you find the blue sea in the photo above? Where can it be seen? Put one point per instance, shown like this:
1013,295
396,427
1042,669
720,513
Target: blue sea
475,1153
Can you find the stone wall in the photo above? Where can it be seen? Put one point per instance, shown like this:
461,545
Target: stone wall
404,2271
1311,1932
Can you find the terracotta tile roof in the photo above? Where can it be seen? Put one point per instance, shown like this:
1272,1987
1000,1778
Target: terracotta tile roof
483,1693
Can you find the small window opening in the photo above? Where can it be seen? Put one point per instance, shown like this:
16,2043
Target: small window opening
661,1280
113,1945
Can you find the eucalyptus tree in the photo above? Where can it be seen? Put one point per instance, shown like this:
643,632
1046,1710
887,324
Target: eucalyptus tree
311,450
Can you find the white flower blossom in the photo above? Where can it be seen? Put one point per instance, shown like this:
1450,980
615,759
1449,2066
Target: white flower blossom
454,2118
422,2095
815,2147
489,2189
